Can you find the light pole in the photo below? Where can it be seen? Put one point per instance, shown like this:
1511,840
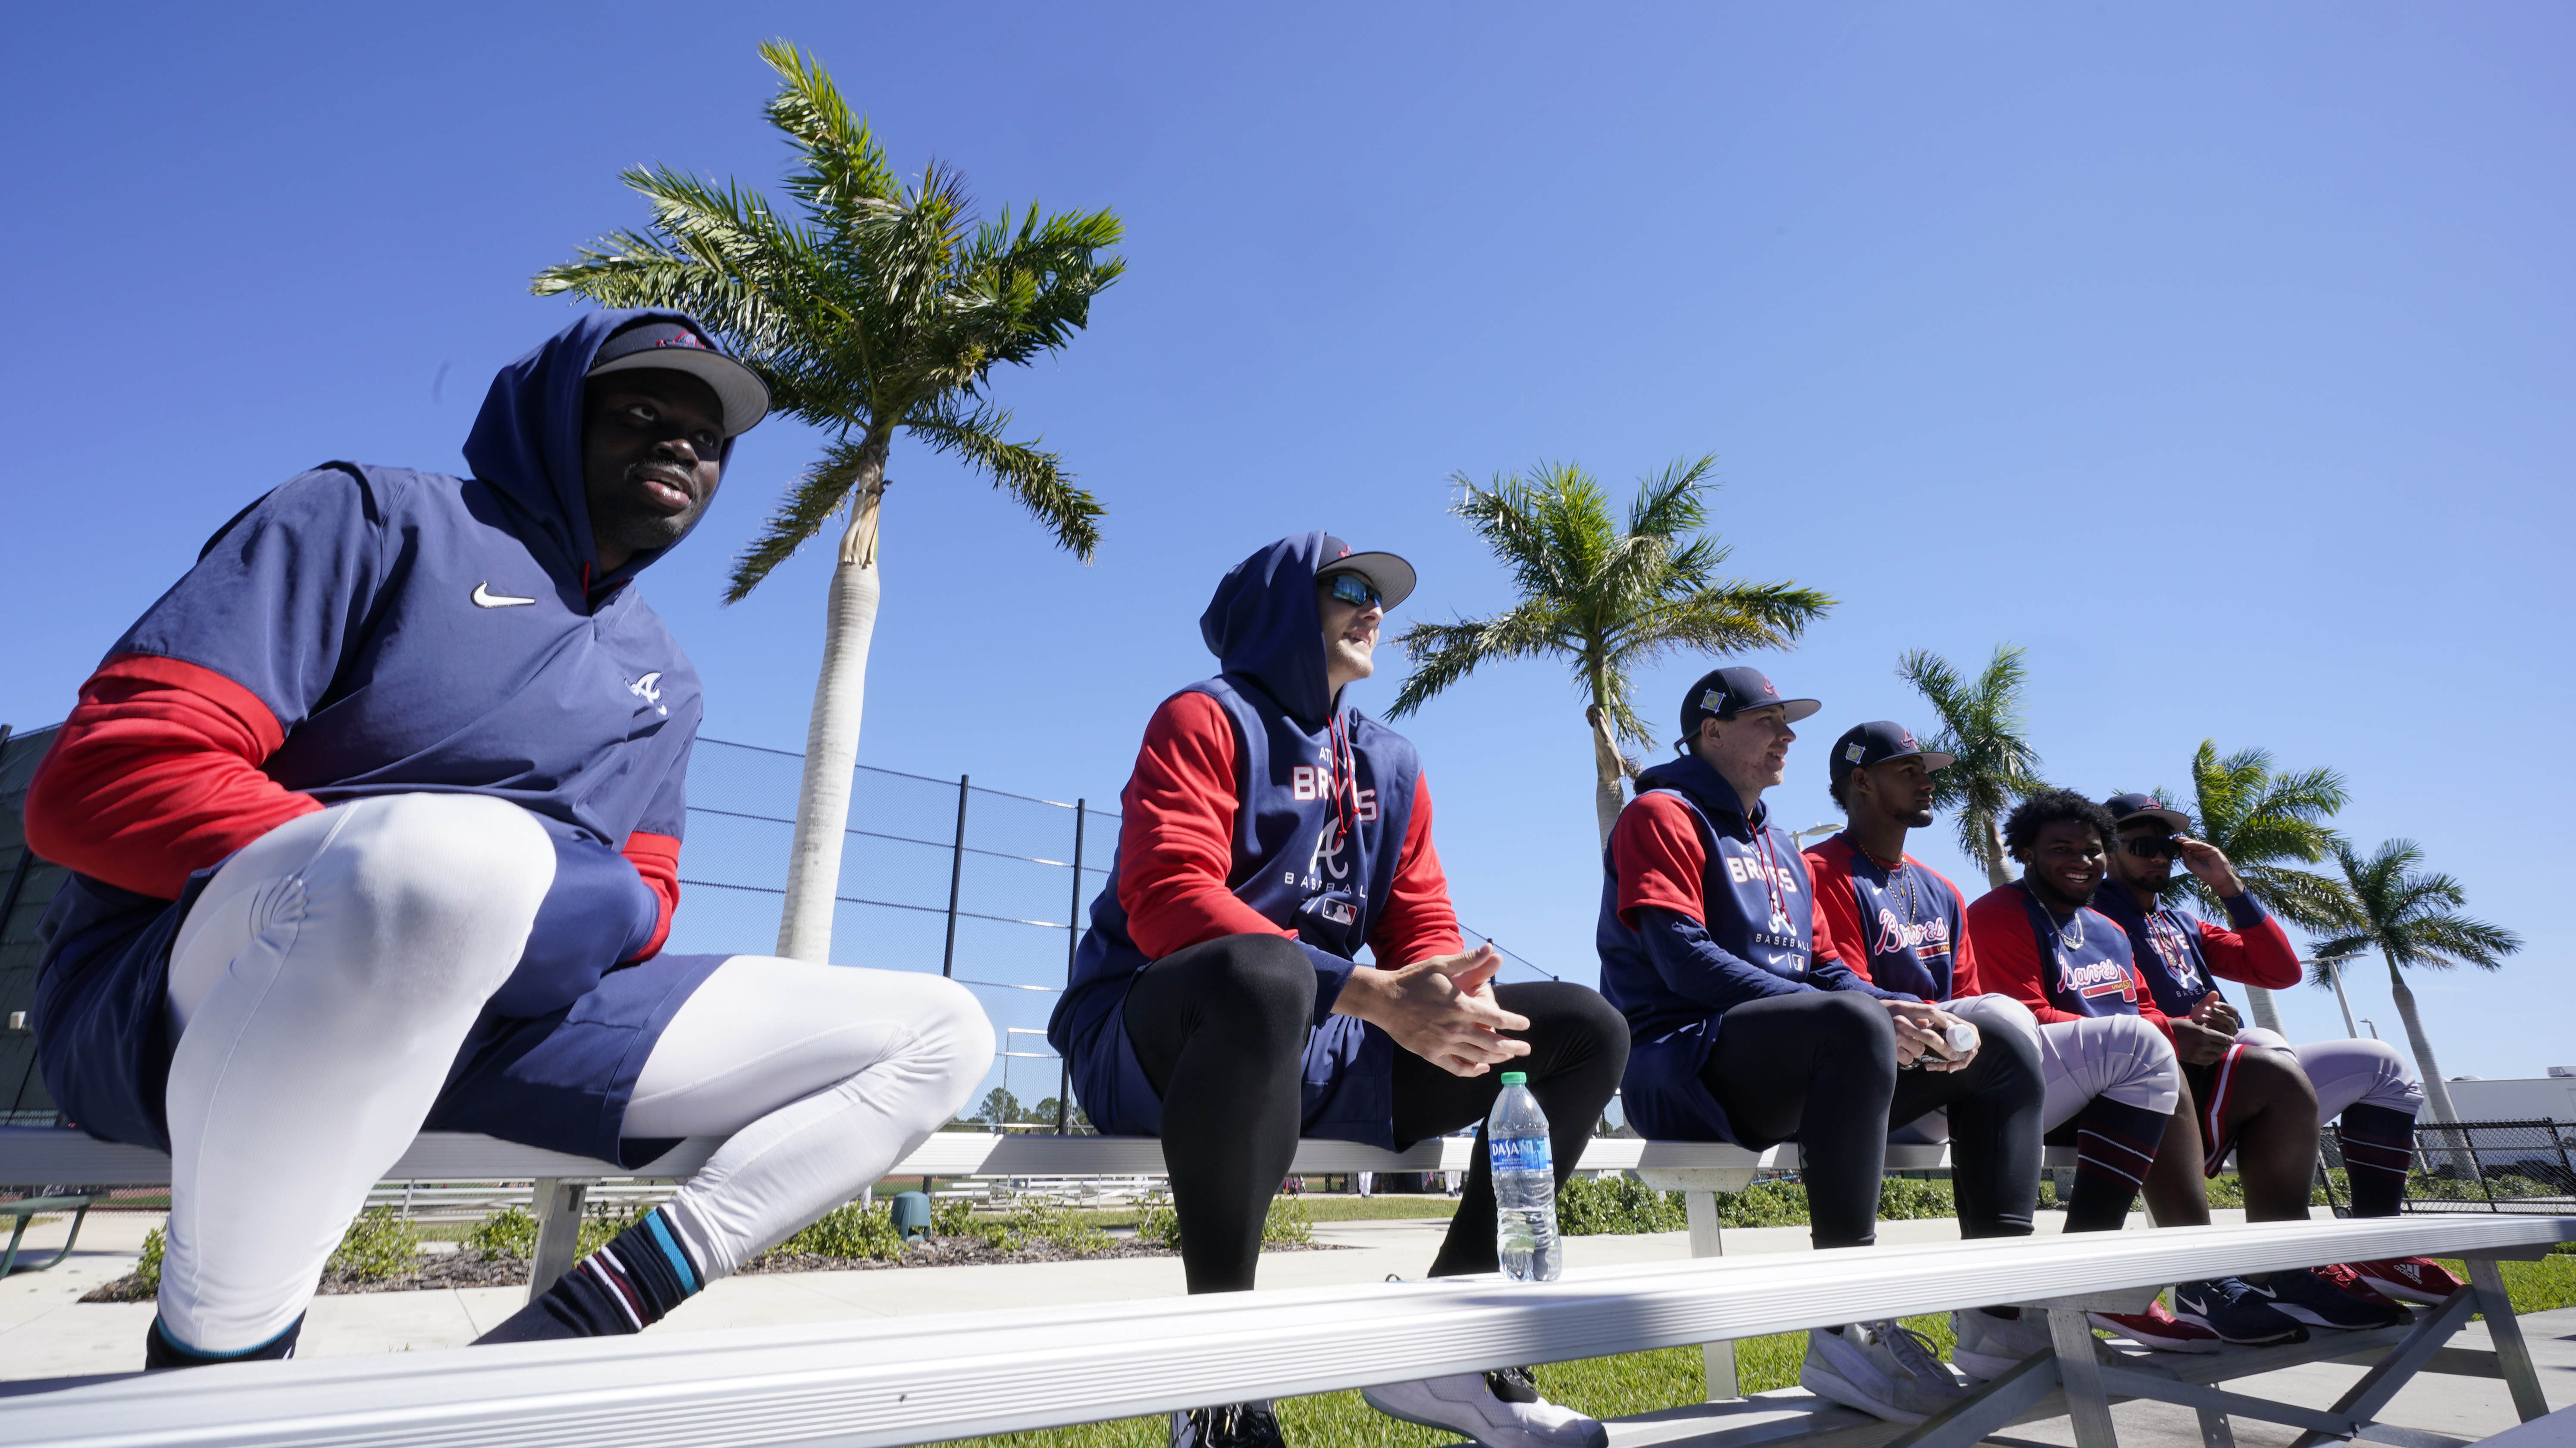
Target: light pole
2333,972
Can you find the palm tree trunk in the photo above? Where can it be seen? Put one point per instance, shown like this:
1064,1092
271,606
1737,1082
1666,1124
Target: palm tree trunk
2267,1012
832,733
2350,1027
1998,871
1608,768
2437,1095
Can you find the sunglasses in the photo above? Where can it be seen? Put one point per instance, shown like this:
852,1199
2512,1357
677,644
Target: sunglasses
2153,847
1352,589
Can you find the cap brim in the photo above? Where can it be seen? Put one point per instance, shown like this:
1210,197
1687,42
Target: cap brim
2172,819
1793,710
738,389
1392,576
1935,759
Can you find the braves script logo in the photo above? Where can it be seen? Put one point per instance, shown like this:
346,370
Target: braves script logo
2094,978
1895,935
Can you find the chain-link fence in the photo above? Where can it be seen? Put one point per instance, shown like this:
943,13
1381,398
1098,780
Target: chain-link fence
2494,1166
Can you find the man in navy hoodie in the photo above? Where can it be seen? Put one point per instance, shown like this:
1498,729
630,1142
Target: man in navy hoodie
375,822
1749,1027
1269,832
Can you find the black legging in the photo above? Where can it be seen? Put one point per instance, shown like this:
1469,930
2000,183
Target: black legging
1820,1068
1220,1029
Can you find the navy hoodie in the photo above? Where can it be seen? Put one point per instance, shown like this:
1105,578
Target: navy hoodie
1321,804
412,632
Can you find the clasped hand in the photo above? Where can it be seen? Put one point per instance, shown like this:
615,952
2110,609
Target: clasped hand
1923,1033
1441,1009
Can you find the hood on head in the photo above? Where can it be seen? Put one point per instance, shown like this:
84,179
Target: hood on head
1264,623
526,442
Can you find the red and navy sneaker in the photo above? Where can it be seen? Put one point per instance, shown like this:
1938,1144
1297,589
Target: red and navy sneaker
2342,1277
2237,1312
2158,1329
2307,1297
2410,1279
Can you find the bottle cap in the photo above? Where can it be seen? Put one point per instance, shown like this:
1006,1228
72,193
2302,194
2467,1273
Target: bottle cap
1516,1078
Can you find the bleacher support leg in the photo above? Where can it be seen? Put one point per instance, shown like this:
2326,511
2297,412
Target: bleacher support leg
559,1204
2214,1432
2512,1353
2088,1406
1717,1358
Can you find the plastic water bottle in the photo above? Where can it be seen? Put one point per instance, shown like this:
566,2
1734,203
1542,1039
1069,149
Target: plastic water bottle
1524,1184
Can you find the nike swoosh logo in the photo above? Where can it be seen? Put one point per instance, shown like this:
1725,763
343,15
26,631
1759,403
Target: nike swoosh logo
484,597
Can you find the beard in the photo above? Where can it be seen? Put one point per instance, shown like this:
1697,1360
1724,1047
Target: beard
637,528
1916,820
1358,659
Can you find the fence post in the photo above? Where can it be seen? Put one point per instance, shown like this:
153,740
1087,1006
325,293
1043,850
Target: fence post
956,877
1072,943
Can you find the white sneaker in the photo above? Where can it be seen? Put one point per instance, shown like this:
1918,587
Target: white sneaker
1991,1346
1498,1409
1882,1368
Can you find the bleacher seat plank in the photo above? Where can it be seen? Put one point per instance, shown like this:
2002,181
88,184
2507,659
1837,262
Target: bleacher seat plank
878,1383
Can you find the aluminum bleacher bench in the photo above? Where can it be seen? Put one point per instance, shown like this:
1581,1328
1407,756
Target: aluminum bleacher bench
881,1382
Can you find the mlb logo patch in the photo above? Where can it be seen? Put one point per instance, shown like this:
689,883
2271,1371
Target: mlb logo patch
1713,701
1853,752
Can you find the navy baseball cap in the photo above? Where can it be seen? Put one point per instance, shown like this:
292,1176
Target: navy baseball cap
672,347
1725,693
1391,576
1863,745
2125,807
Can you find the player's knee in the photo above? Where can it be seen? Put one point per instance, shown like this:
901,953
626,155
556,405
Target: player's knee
2144,1068
446,885
2394,1086
1261,985
952,1041
1850,1025
2274,1079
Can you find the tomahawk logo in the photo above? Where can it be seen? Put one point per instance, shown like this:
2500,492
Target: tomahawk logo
649,689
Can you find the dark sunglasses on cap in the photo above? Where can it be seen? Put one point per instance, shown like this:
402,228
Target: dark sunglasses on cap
2153,847
1356,591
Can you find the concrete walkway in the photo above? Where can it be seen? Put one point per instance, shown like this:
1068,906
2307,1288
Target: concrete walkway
45,1331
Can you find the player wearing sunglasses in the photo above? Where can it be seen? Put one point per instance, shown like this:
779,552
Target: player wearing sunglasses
1269,832
2256,1094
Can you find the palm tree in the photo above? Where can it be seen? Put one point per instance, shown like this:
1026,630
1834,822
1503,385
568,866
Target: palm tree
1603,599
2410,917
879,307
2262,818
1981,723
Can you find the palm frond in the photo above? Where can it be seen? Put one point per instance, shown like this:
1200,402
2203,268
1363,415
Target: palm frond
808,505
1036,478
1444,653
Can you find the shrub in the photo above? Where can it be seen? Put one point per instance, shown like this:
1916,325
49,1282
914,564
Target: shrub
1904,1199
1160,1224
508,1235
148,1270
1764,1204
1288,1223
851,1232
1617,1205
1040,1222
381,1243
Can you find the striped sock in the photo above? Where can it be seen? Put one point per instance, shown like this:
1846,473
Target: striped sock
2115,1143
626,1286
161,1350
2378,1147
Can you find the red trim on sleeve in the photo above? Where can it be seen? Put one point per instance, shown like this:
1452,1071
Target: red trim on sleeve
1655,848
1837,914
1176,842
657,859
2261,956
156,775
1418,921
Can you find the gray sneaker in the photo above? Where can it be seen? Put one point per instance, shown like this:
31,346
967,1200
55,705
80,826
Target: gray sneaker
1882,1368
1991,1346
1498,1409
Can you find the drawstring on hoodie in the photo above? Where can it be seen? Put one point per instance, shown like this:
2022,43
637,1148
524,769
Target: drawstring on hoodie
1346,781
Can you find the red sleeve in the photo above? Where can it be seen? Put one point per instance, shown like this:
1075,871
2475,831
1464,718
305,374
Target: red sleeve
1660,861
657,859
1837,908
1418,921
2261,956
1176,843
156,775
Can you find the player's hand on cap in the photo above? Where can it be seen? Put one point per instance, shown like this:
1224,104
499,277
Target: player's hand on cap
1447,1016
2210,863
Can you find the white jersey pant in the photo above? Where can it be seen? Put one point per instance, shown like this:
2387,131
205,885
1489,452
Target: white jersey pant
2346,1073
322,984
2122,1057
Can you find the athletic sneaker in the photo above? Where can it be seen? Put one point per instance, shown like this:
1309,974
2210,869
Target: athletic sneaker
2410,1279
2158,1329
2311,1299
1236,1425
2237,1312
1988,1346
2342,1278
1882,1368
1498,1409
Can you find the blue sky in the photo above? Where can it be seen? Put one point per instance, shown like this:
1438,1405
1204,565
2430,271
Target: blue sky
2218,355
